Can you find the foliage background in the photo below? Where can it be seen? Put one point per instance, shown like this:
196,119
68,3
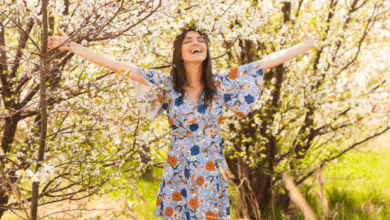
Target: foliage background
313,109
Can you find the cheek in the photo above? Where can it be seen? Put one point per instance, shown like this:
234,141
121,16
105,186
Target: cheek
184,48
184,52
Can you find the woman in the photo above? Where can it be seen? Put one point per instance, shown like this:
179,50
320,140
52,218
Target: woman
194,183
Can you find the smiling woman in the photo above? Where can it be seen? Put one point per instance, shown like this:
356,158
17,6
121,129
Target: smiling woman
194,184
194,99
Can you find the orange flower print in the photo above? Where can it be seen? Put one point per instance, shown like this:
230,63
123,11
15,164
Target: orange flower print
240,114
220,119
211,216
158,203
194,203
176,196
192,122
200,180
210,166
168,211
160,99
217,84
170,121
172,160
233,73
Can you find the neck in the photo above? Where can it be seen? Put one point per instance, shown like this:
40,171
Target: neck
194,74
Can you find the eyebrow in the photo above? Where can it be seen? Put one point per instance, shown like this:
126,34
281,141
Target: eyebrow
191,37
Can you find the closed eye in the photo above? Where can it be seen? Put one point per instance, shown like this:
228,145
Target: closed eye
200,41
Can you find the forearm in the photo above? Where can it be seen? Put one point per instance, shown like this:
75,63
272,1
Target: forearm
281,56
97,58
107,62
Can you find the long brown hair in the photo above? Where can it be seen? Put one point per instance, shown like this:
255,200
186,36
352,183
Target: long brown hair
179,74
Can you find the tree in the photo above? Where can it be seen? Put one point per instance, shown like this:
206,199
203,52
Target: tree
94,132
315,108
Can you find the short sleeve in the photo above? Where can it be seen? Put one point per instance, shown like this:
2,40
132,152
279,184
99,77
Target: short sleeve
151,100
241,87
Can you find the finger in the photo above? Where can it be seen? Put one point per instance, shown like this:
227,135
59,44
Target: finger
318,45
62,33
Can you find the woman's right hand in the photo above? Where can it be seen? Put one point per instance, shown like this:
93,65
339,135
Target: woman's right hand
53,42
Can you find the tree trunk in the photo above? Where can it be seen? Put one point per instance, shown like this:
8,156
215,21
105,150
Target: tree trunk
259,178
43,124
145,158
8,137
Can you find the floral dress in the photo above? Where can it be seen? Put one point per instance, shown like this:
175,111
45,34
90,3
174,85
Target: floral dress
194,184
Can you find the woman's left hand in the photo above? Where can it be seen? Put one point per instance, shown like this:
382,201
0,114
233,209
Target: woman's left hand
312,42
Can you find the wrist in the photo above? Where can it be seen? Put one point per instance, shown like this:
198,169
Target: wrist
71,44
308,44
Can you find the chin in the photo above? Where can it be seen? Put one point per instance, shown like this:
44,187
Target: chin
196,60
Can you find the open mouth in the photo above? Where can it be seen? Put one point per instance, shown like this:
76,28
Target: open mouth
196,51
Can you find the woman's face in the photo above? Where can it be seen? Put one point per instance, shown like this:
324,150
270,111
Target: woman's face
193,48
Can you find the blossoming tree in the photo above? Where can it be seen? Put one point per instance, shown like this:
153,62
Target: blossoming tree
94,133
312,109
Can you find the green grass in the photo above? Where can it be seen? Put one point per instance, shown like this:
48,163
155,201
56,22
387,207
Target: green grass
357,205
361,170
357,186
149,189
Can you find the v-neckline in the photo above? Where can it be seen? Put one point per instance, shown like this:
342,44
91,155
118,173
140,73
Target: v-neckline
199,98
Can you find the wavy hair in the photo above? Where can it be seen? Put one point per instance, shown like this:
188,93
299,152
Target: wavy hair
179,74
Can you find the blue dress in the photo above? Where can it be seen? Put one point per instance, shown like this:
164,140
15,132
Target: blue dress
194,184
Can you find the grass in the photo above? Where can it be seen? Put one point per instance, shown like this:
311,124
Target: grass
149,189
357,186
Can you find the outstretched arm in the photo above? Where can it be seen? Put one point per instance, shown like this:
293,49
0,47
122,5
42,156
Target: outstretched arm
281,56
93,56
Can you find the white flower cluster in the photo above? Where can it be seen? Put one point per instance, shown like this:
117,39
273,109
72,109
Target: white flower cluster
44,172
